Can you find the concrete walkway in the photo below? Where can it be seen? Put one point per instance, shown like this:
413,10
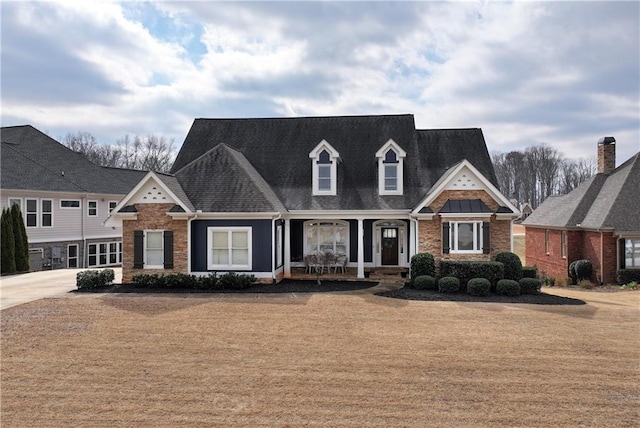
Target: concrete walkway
19,289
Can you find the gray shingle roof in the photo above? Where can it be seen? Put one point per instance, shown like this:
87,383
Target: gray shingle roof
172,183
605,201
31,160
278,151
465,206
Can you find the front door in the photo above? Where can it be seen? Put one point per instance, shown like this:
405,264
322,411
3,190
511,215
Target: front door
390,246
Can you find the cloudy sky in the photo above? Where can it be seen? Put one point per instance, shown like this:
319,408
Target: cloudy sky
561,73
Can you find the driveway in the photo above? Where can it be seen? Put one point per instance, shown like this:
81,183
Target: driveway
19,289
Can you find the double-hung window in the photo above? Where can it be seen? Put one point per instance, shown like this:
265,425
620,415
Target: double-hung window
153,249
92,208
324,166
632,253
32,213
390,168
466,237
46,213
229,248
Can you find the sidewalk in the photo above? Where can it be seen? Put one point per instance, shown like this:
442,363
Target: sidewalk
19,289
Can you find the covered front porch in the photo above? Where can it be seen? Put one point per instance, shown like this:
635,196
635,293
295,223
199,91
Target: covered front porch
373,247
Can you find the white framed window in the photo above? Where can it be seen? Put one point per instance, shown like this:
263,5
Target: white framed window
229,248
72,256
632,253
112,205
153,249
320,236
32,213
66,204
563,243
279,245
92,208
547,238
390,169
15,201
324,164
104,253
466,237
46,213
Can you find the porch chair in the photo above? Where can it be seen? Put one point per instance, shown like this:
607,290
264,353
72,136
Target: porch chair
340,263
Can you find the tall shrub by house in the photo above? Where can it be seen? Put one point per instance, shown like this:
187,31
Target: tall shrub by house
512,265
22,242
8,244
422,264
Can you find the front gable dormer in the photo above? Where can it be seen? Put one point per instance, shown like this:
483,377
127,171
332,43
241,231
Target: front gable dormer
324,166
390,169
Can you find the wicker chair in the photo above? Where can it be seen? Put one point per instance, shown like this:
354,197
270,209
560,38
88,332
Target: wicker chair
340,263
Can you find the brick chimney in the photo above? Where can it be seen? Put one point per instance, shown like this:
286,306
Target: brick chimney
606,155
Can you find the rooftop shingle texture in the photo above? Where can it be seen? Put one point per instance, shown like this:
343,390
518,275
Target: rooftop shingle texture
278,150
223,180
605,201
174,185
32,160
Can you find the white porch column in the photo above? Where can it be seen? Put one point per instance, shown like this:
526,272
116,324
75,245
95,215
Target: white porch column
287,248
413,233
360,248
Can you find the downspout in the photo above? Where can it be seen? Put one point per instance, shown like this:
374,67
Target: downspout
273,247
85,256
601,258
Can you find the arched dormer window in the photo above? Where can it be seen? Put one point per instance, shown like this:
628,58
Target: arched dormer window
324,160
390,169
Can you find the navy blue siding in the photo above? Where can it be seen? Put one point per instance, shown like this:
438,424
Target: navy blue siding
275,241
261,240
296,230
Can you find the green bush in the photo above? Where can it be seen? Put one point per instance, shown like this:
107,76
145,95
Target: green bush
512,265
180,280
529,272
234,281
92,279
572,272
209,282
449,284
584,270
479,287
530,286
7,243
145,280
465,271
424,282
508,287
625,276
21,239
422,264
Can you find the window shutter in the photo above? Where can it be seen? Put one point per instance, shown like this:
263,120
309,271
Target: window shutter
168,249
621,255
486,237
138,249
446,246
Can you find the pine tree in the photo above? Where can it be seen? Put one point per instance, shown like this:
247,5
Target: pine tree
22,242
8,244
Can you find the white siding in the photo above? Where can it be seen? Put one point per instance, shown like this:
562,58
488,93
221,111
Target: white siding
68,223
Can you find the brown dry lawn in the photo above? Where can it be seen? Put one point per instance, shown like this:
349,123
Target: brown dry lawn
320,360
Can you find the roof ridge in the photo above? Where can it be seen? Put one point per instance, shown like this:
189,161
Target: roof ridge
355,116
588,198
631,163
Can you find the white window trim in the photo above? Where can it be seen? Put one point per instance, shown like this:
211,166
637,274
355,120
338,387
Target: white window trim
400,155
144,244
9,204
335,222
70,208
115,204
315,157
42,213
279,242
26,213
477,237
230,266
89,208
634,243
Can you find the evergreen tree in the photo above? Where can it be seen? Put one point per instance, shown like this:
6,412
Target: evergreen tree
8,244
22,242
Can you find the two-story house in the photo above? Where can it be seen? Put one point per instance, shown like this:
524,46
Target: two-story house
64,199
258,195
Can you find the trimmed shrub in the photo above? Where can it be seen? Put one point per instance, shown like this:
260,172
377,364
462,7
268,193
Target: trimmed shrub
209,282
424,282
584,270
180,280
530,286
529,272
465,271
448,284
479,287
509,287
235,281
92,279
512,265
422,264
625,276
7,243
572,272
145,280
22,242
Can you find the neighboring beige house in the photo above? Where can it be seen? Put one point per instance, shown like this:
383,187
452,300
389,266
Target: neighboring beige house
64,199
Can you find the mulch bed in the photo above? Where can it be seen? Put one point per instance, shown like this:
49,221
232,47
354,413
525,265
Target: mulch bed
285,286
409,293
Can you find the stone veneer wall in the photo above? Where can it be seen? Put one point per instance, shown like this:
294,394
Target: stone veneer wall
154,217
430,231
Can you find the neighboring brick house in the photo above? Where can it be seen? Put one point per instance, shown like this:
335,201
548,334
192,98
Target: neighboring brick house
64,199
598,221
258,195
